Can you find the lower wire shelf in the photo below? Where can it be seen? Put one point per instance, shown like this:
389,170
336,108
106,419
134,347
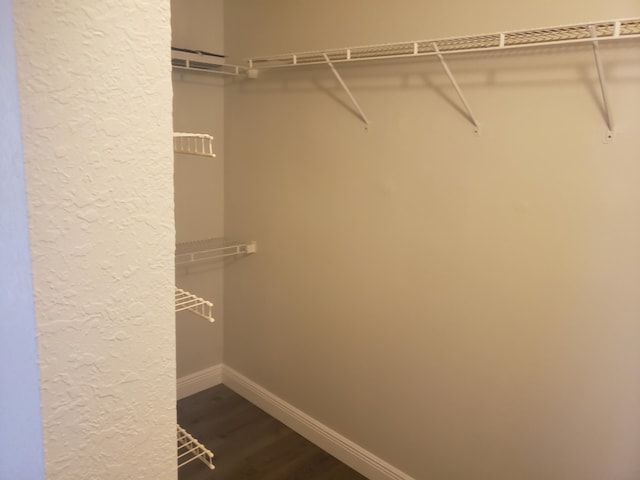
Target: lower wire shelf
199,144
196,305
190,449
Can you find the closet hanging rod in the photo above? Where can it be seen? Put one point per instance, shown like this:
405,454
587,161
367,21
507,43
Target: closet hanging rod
550,36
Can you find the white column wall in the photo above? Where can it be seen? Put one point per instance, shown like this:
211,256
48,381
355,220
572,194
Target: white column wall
95,97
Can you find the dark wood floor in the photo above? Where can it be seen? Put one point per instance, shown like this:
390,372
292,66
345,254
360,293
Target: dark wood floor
248,444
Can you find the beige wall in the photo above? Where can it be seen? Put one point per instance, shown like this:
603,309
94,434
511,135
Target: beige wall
465,307
198,106
95,103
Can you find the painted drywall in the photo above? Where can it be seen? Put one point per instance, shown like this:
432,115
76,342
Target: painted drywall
21,448
462,306
198,106
95,101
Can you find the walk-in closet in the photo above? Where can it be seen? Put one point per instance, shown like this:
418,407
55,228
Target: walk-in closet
398,238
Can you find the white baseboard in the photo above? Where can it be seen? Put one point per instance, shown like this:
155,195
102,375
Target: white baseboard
199,381
361,460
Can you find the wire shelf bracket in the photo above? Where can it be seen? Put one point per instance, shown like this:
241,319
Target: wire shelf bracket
346,89
196,305
190,449
603,85
190,253
457,88
199,144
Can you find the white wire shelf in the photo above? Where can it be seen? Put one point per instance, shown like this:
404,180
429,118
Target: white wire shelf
190,449
585,33
202,62
190,253
561,35
196,305
199,144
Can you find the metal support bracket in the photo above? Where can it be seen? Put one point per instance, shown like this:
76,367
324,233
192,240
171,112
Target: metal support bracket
472,117
603,85
346,89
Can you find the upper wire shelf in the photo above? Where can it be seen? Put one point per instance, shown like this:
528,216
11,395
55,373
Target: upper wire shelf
190,449
189,253
200,144
585,33
567,34
196,305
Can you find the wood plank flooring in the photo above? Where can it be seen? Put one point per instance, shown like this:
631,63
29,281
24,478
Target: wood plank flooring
248,444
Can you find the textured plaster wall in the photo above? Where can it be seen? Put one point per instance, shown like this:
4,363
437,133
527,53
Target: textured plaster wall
465,307
21,448
95,88
198,106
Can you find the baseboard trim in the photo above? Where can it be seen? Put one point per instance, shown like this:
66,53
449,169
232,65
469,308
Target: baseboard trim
199,381
361,460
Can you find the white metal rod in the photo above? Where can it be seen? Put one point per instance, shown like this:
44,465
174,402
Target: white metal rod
188,303
188,66
346,89
603,87
187,452
223,255
455,85
199,456
188,461
203,315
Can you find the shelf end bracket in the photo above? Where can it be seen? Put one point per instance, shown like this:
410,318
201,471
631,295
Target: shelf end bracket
346,89
474,121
